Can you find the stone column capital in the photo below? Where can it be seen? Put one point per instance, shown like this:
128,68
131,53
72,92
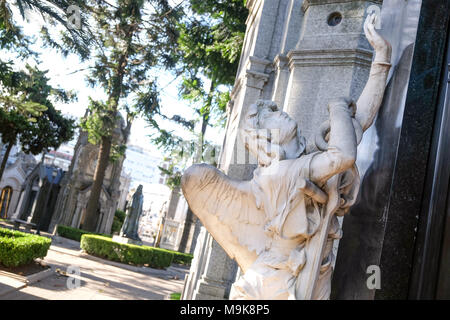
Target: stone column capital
255,79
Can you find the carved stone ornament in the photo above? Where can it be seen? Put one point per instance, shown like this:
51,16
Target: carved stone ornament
280,226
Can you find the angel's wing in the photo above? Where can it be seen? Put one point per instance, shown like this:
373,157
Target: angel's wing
228,210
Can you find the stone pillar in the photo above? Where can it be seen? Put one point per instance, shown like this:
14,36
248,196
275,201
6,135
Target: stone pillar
197,265
294,17
332,59
188,236
38,199
22,192
173,203
218,273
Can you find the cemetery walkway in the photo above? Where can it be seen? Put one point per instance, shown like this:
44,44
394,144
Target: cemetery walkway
99,279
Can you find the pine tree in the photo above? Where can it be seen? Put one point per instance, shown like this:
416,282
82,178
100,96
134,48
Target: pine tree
55,13
131,43
210,43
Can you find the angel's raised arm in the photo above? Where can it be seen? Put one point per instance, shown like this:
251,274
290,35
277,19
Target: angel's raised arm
371,98
340,154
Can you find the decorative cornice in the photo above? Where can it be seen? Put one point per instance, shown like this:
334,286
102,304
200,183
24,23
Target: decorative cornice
307,3
345,57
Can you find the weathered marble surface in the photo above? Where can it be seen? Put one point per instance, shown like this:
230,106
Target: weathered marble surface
280,226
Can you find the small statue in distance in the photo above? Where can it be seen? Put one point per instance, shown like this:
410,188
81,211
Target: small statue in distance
130,226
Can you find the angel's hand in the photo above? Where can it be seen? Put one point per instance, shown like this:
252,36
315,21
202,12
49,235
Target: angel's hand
381,46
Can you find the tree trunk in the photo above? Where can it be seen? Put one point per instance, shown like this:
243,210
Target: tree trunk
205,121
5,159
91,215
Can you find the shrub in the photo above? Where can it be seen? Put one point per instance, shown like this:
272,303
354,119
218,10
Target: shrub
119,218
18,248
104,247
74,233
182,258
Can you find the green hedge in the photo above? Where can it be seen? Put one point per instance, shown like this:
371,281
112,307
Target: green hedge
74,233
18,248
126,253
182,258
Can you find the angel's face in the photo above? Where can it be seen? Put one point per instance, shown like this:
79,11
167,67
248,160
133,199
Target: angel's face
272,118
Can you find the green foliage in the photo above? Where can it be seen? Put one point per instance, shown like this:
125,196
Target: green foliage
209,46
117,152
119,218
18,248
183,258
131,43
100,121
74,233
54,12
174,179
211,42
211,39
126,253
175,296
27,112
19,90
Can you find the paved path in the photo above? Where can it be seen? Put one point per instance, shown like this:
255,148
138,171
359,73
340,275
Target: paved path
100,279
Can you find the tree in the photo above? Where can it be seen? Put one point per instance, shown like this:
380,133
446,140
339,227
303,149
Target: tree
27,114
48,130
131,42
56,12
210,44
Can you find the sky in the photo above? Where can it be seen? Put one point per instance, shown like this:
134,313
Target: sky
64,73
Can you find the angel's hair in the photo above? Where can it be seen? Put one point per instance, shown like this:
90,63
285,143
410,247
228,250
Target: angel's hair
269,144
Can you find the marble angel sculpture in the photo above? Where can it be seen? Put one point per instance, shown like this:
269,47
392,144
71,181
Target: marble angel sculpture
280,225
